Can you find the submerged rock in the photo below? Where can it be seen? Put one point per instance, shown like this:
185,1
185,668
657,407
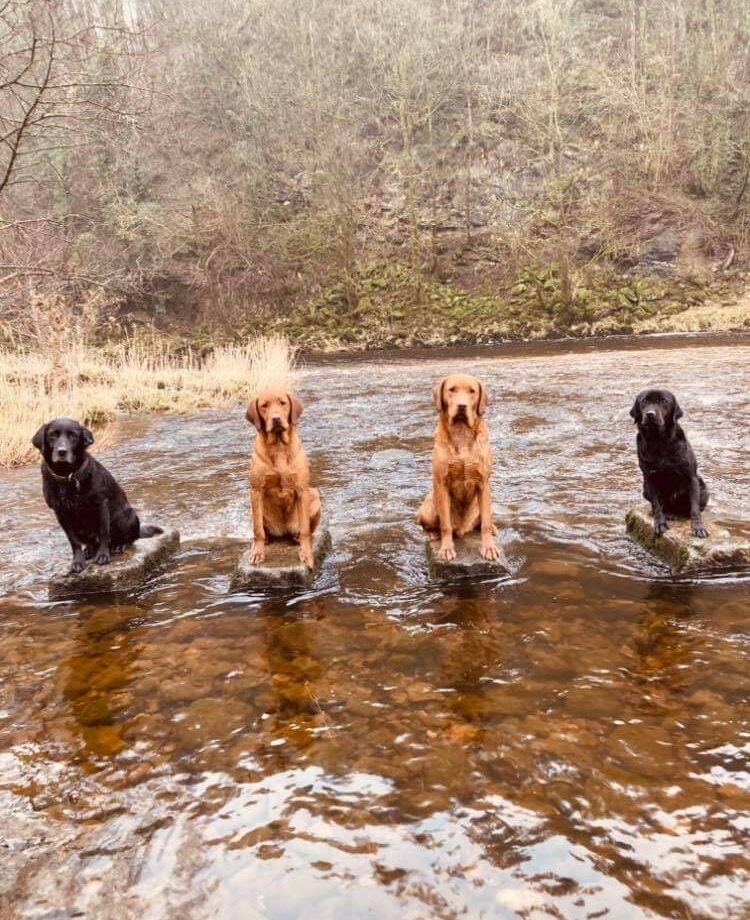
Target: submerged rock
468,561
282,568
390,459
123,573
683,552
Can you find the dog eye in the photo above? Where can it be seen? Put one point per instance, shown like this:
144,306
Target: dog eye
264,405
451,389
472,391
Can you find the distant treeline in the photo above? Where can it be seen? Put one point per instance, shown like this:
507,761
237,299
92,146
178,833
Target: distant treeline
206,161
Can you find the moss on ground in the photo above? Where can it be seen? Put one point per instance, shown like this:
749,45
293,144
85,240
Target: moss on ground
396,307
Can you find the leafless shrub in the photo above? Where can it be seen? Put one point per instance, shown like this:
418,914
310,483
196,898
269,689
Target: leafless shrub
209,159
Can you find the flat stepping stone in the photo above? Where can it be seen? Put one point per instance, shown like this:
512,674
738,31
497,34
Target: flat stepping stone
468,561
282,568
683,552
123,573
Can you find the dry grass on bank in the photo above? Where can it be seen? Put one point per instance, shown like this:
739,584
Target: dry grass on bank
707,317
95,385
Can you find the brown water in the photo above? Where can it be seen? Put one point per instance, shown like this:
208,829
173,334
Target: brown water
572,742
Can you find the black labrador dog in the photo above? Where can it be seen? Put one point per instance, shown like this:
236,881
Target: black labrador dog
91,507
670,471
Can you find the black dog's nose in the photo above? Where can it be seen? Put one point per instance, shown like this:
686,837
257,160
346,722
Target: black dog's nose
650,413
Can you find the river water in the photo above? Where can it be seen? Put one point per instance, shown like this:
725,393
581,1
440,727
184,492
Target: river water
572,741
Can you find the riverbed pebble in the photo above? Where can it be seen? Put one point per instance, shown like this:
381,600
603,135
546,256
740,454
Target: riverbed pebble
391,459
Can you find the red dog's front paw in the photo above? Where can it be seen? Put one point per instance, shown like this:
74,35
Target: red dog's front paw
258,554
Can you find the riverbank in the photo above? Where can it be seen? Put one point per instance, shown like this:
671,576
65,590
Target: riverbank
392,310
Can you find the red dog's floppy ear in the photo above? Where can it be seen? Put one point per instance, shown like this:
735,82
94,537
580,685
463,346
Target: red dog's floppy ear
437,395
483,399
253,414
295,413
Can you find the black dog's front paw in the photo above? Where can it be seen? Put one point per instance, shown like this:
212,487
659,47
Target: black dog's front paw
660,527
79,564
700,531
102,557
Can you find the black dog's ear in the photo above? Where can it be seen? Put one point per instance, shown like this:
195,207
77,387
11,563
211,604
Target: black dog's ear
677,411
88,438
38,439
635,411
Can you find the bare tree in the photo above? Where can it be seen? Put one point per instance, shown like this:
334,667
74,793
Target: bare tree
71,82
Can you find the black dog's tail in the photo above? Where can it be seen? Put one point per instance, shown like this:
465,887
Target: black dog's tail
149,530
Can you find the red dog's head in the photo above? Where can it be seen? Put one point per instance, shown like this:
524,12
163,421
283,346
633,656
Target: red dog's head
274,412
460,398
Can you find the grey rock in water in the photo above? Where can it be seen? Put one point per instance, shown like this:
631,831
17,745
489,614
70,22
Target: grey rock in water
123,573
468,561
282,568
390,459
683,552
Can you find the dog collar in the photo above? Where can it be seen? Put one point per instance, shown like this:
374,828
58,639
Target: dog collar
71,477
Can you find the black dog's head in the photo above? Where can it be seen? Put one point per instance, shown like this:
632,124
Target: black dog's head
655,411
63,443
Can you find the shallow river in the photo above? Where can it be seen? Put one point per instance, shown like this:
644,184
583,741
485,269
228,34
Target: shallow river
571,742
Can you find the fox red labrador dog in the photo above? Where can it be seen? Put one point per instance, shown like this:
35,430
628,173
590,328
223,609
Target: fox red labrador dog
284,505
461,499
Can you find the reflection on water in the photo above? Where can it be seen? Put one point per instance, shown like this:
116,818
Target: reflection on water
572,742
